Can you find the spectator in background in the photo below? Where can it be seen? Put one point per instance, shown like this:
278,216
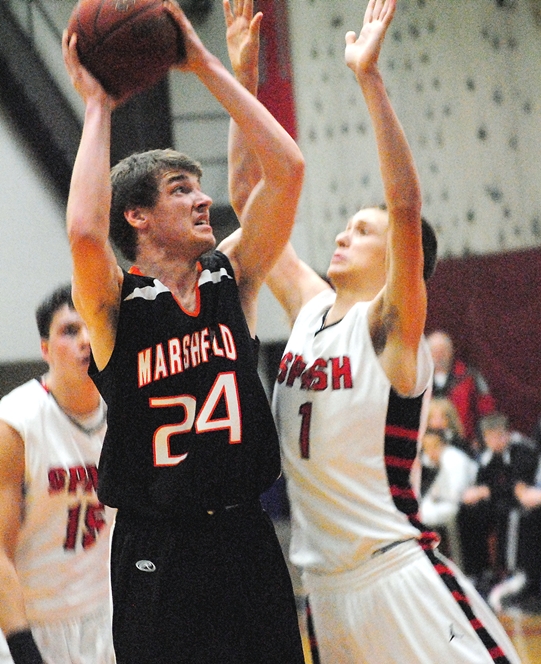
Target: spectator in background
446,473
484,516
523,589
443,416
462,385
536,433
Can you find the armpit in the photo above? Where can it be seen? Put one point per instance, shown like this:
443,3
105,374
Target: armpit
382,323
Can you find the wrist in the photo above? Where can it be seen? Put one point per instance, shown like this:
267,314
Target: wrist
369,76
248,80
23,648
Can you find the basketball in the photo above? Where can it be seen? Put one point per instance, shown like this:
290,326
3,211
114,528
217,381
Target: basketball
128,45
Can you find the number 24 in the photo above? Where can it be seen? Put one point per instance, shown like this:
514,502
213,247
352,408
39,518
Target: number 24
225,386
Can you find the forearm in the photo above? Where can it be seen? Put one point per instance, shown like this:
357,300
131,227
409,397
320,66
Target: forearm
244,169
398,171
277,153
90,189
12,609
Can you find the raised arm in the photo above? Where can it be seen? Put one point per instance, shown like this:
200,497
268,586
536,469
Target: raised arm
291,281
242,36
400,310
269,214
97,277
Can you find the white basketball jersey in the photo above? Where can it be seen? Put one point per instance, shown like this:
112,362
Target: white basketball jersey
348,441
62,556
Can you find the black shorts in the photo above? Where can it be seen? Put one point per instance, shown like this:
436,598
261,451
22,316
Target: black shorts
213,590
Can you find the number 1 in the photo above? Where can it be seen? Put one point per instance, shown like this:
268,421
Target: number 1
305,411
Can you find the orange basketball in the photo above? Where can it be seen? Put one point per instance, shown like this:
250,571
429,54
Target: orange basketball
128,45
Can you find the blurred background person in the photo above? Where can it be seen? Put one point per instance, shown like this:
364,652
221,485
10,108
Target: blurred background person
443,416
446,473
523,589
488,543
461,384
54,532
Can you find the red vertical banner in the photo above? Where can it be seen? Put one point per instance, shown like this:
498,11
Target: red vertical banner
275,70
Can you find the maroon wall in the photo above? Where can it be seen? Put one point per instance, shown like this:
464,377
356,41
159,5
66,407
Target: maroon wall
491,306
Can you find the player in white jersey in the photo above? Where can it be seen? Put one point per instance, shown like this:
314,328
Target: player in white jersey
348,405
54,533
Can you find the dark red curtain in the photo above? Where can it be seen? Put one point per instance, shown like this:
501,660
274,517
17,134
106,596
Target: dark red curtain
491,307
275,71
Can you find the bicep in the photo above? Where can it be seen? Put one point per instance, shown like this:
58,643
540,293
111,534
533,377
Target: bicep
293,283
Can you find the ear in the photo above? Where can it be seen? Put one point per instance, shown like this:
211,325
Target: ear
44,345
136,217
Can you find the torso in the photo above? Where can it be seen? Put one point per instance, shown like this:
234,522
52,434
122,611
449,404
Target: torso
337,415
189,421
65,532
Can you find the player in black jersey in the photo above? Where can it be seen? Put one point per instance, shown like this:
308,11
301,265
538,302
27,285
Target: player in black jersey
197,571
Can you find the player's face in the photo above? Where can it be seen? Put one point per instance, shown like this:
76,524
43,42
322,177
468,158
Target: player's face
67,350
180,219
361,249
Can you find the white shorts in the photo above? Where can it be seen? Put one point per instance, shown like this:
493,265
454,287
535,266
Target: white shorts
84,640
396,609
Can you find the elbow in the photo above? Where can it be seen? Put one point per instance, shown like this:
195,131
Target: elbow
83,236
294,176
298,167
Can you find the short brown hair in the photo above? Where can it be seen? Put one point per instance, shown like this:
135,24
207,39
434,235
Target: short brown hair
135,183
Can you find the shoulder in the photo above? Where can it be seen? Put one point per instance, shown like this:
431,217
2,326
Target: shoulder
138,285
32,389
218,264
319,303
21,404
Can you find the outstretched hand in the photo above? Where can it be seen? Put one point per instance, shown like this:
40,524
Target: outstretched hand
362,53
243,37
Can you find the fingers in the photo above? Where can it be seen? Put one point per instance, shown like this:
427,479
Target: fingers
69,50
177,14
379,10
256,23
247,8
351,37
228,13
65,47
369,11
388,11
244,8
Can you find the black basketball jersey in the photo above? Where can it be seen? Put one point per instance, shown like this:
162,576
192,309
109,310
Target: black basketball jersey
189,423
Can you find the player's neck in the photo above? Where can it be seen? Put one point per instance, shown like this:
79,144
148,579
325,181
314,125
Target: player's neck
180,276
346,297
78,398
